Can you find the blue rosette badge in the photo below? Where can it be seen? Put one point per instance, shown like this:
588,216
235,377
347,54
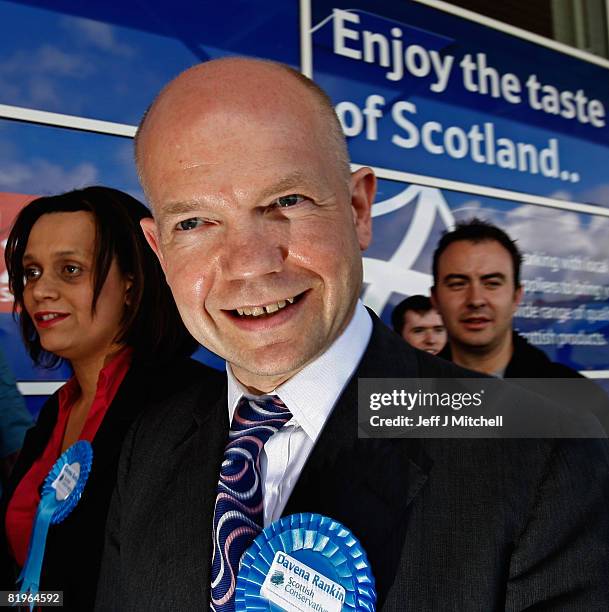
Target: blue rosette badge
61,491
305,562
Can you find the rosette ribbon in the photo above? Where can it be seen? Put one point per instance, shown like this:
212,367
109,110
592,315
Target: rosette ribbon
326,558
61,491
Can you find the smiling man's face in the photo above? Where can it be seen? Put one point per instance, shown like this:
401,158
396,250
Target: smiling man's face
475,294
257,226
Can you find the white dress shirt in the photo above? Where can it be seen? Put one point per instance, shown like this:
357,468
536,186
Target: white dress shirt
310,396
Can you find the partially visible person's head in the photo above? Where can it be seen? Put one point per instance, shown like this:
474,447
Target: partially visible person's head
85,282
258,223
477,289
419,323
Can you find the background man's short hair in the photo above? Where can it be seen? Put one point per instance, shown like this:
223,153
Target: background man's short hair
478,230
418,303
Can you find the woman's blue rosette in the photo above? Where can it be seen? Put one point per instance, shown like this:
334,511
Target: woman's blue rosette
61,491
305,562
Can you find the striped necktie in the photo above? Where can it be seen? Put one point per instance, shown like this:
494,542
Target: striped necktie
238,514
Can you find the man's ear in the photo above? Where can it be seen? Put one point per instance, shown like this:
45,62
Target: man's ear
363,190
149,227
518,295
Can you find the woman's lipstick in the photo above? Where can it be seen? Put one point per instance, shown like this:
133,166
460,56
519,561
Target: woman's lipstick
49,318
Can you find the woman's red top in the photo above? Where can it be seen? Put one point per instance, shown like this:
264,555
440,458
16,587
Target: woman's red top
24,502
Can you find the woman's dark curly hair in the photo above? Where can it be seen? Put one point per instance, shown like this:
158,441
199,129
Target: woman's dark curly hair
151,324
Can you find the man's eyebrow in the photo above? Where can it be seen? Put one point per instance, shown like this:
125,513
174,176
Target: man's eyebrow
288,182
489,276
455,276
284,184
181,207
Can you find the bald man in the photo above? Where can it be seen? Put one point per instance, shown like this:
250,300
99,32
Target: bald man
259,225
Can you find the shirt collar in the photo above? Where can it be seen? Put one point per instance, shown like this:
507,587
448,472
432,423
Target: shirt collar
310,394
112,372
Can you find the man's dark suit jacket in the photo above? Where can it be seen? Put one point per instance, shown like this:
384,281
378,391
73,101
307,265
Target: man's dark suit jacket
74,547
476,525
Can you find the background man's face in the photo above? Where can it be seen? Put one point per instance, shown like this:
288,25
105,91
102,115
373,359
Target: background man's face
475,293
258,235
424,330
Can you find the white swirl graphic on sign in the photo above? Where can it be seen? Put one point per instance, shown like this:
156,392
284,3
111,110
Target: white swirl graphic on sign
385,277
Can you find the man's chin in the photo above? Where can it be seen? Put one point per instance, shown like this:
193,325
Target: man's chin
476,340
266,365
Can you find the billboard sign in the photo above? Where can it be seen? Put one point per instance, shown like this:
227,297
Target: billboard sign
422,91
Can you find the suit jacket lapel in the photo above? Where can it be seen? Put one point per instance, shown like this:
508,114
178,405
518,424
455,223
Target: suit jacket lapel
130,397
209,439
169,492
366,484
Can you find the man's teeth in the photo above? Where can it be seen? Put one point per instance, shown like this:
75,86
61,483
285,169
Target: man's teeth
256,311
